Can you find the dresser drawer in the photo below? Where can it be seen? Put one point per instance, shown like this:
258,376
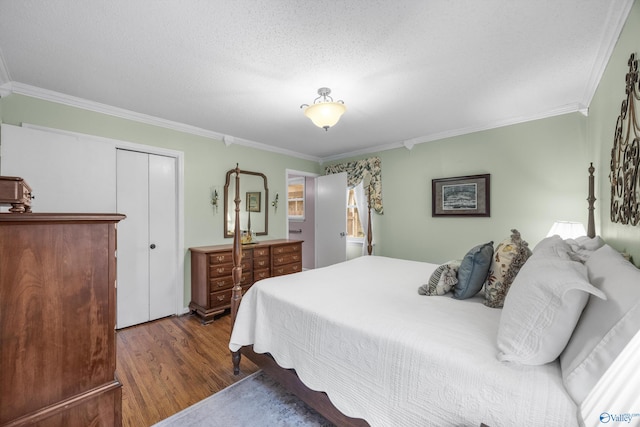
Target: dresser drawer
261,274
260,252
278,250
222,299
287,269
286,258
226,269
259,263
226,282
226,257
220,258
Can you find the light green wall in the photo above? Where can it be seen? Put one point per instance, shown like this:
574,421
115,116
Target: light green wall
538,175
603,113
206,162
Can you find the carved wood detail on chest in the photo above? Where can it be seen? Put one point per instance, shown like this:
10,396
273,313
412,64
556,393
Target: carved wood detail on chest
16,192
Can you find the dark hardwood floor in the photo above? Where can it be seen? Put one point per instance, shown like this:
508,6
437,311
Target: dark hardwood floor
171,363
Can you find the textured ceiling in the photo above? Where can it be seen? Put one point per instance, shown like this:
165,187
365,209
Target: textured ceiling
408,71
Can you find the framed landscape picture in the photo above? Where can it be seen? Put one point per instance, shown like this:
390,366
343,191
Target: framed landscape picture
253,201
461,196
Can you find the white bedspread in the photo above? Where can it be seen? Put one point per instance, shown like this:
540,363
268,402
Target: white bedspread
360,332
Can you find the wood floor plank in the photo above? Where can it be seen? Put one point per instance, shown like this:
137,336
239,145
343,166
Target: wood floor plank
169,364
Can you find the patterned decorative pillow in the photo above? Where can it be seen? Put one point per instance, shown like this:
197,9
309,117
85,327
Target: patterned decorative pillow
442,280
509,256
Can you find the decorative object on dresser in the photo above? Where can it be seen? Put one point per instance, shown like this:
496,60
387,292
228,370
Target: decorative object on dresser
211,271
625,155
15,191
57,320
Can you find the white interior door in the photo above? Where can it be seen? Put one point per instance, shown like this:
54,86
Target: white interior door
162,236
147,266
331,219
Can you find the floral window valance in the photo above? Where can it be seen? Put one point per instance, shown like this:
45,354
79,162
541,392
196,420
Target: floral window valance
356,172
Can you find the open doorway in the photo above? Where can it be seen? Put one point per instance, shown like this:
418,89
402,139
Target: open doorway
317,214
301,207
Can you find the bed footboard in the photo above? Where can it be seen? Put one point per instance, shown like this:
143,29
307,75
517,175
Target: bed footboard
289,380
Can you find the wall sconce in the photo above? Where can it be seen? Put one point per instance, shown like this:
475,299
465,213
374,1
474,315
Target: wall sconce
324,112
214,198
275,202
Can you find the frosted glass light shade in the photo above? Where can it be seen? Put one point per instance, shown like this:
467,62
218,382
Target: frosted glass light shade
325,114
567,229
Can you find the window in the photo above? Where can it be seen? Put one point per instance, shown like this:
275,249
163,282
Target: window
295,199
354,227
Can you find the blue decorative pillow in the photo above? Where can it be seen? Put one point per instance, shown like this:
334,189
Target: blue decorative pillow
473,271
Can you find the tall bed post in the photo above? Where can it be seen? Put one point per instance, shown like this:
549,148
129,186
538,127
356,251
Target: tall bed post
591,227
367,183
236,292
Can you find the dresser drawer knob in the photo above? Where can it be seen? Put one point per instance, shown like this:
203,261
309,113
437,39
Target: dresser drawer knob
220,297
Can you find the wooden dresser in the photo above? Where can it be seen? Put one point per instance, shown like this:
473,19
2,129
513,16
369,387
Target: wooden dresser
57,320
211,266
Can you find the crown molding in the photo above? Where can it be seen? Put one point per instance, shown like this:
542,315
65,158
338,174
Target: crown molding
612,26
72,101
410,143
60,98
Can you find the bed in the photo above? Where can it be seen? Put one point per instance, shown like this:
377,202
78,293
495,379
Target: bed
406,359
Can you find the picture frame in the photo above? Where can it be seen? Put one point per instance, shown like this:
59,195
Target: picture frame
254,201
461,196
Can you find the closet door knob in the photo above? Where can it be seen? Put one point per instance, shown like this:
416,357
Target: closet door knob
153,246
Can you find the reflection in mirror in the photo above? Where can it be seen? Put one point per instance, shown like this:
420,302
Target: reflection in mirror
254,196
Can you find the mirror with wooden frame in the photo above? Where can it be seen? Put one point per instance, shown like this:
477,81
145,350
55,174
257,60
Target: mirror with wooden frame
254,195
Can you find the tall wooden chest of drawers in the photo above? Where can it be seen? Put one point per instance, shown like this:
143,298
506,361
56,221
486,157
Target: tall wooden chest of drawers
211,266
57,320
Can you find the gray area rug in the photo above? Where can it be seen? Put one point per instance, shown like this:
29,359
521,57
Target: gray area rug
256,400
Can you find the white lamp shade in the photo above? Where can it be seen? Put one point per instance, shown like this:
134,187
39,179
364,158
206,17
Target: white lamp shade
567,229
325,114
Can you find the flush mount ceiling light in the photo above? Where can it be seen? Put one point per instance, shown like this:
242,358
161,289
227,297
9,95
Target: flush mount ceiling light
324,112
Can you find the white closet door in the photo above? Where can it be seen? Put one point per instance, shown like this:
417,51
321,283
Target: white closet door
147,238
163,236
133,238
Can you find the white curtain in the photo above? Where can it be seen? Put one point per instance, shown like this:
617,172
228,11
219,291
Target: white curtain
361,202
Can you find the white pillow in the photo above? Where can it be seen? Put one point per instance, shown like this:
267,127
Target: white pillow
553,246
584,246
605,327
542,308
